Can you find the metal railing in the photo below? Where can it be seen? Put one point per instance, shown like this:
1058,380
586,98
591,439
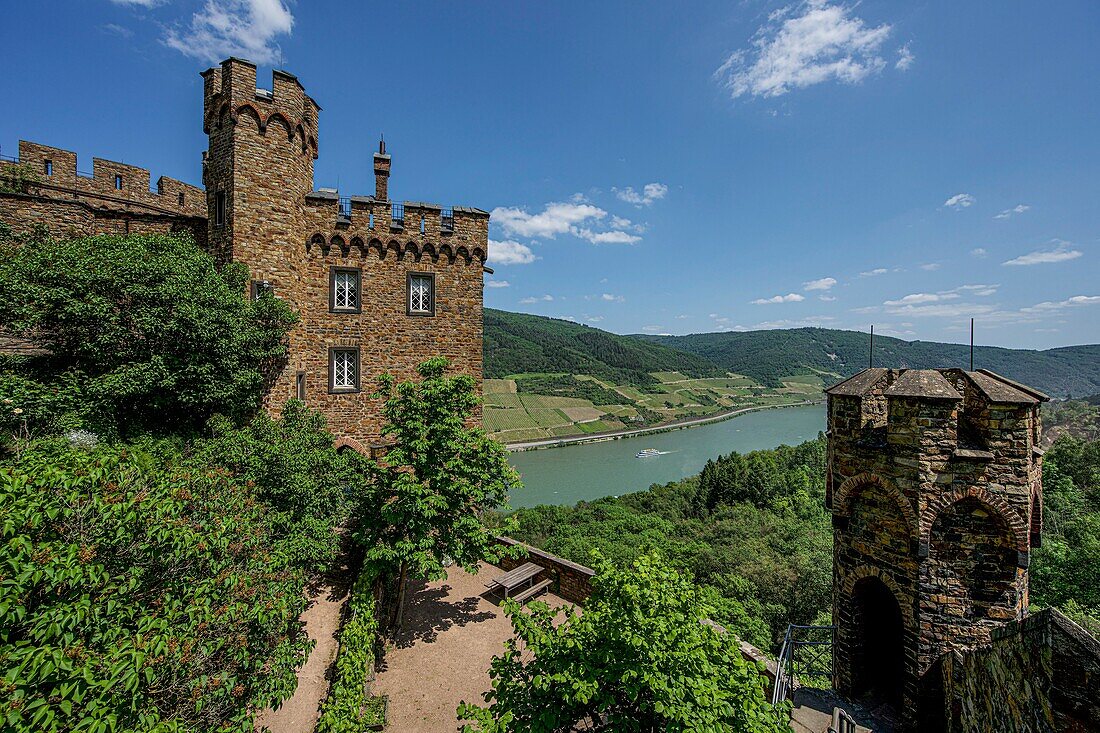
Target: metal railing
397,215
842,722
807,652
8,158
345,208
447,220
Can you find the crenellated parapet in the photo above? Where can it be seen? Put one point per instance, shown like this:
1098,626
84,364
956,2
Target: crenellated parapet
54,173
230,94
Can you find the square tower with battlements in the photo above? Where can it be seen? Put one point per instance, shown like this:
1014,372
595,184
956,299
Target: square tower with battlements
379,285
934,480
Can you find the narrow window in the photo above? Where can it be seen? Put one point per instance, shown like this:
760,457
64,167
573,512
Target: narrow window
181,198
421,294
219,209
118,183
344,286
343,370
371,225
422,224
300,390
49,168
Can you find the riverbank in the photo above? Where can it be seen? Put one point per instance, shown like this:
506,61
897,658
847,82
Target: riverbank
618,435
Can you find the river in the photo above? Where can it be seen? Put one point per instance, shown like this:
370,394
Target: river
588,471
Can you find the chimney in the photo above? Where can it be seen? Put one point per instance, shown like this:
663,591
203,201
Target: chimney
381,172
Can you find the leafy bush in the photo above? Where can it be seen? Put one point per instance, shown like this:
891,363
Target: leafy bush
642,657
307,484
141,333
347,708
140,594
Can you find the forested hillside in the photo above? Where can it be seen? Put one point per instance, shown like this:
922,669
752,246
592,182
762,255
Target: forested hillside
517,343
768,355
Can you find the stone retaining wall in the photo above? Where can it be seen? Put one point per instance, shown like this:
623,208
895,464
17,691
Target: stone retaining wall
572,581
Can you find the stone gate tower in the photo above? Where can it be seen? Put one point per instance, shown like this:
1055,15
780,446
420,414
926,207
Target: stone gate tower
935,485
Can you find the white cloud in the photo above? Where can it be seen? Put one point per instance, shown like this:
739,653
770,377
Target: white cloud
618,222
809,321
1049,306
874,272
916,298
595,319
510,252
905,58
979,252
118,30
1007,213
953,294
930,266
1059,253
942,310
650,192
788,298
245,28
802,45
557,218
499,284
959,201
826,298
543,299
612,237
655,329
140,3
612,298
821,284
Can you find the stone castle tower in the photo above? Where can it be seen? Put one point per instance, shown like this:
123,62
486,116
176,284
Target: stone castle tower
379,285
935,484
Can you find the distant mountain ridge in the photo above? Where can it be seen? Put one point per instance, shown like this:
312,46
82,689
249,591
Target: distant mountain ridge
517,343
768,355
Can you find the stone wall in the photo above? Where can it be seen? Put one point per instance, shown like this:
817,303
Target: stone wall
572,582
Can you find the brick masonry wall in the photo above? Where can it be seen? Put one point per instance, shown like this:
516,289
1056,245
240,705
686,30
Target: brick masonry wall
933,499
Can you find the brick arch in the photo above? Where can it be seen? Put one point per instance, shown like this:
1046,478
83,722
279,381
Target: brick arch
448,251
854,486
357,244
998,506
345,442
279,117
396,247
479,254
317,240
869,571
376,245
236,115
464,254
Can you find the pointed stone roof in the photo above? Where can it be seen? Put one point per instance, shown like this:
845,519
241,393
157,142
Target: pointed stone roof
923,383
1001,389
859,384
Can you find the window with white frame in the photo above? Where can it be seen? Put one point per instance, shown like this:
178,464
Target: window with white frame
421,294
344,370
344,285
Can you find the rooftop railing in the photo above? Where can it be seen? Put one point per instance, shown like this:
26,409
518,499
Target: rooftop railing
397,215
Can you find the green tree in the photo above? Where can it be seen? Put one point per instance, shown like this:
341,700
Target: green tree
138,333
140,594
643,657
433,489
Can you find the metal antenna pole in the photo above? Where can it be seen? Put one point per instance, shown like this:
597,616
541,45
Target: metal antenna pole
971,344
871,352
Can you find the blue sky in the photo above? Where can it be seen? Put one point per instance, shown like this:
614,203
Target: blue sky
657,167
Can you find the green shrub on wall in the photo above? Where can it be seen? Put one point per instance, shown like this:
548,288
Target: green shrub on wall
349,708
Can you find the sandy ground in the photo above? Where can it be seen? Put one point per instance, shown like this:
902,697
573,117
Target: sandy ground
453,628
322,622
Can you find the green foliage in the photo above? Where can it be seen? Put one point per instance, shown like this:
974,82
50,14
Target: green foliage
516,343
140,594
642,657
767,356
1065,571
436,483
348,708
141,333
569,386
752,528
308,486
14,177
1079,418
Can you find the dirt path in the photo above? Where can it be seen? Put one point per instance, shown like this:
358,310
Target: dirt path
322,622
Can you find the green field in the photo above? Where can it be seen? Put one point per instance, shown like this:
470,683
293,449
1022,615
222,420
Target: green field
515,414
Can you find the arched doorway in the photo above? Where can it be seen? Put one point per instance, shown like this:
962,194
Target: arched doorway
879,659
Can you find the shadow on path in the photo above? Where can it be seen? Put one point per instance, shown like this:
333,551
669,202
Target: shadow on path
429,613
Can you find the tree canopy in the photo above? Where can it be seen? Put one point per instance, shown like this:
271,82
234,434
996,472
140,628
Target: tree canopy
642,657
136,334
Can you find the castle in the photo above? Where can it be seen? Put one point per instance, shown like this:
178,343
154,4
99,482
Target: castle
379,285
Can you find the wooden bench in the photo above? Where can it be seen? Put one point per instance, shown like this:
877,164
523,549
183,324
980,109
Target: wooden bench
533,591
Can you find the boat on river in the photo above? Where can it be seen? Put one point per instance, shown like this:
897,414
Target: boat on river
648,453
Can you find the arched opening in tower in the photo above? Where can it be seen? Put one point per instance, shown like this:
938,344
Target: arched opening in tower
879,659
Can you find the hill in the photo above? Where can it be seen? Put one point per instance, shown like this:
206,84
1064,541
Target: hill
517,343
767,356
